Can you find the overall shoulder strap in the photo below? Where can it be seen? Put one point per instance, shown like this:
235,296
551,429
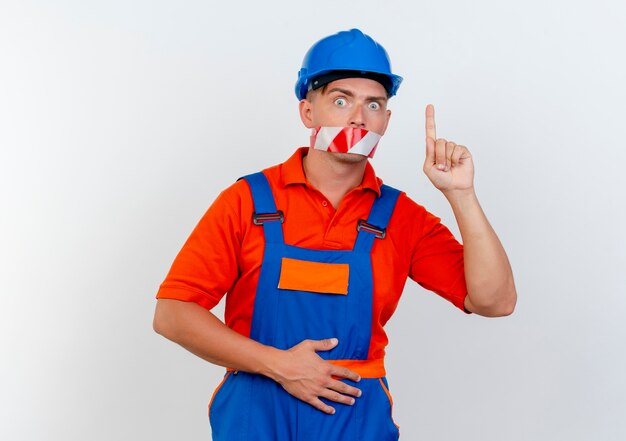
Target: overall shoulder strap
376,225
265,212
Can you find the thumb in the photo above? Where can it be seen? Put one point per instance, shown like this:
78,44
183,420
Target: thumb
324,345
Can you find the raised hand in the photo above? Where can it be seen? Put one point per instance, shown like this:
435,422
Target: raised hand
308,377
448,165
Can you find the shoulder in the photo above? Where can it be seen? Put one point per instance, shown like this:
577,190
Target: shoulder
234,197
239,193
407,207
412,218
236,202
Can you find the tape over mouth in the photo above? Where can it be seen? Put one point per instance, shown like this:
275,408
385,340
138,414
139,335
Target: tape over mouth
345,140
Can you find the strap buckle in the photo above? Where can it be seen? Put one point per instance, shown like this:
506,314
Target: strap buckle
261,218
379,233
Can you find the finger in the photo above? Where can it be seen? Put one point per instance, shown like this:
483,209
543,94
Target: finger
346,373
346,389
320,405
323,345
450,146
431,131
430,151
440,154
337,397
460,152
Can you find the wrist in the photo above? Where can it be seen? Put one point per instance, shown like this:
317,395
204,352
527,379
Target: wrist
460,196
269,363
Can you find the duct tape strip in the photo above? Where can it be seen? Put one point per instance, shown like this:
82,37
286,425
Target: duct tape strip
345,140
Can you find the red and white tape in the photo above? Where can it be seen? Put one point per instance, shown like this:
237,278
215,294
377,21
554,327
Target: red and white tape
345,140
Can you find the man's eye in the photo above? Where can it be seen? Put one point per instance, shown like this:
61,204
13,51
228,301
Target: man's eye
340,102
374,106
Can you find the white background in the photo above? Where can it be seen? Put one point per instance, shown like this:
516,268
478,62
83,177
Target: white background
121,121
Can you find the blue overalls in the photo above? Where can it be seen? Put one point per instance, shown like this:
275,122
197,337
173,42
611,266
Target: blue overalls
253,407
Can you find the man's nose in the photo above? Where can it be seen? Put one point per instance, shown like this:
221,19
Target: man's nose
357,118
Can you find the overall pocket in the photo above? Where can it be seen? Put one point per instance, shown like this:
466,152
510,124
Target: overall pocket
320,277
313,303
217,389
385,387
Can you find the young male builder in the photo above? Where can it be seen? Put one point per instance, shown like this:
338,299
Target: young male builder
314,254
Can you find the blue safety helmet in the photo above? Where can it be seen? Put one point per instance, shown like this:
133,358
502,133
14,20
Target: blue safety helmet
345,54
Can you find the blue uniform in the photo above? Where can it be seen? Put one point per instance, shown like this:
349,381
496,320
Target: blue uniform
253,407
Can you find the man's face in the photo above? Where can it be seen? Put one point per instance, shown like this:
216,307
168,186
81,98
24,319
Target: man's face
349,102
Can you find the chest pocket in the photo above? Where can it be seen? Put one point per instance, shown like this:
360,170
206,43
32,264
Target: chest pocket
320,277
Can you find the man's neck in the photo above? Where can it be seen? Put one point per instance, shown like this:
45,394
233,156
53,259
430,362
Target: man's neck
333,175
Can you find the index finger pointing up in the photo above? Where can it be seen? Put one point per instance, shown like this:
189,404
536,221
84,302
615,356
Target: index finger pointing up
431,131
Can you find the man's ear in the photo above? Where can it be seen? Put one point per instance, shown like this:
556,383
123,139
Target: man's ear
305,109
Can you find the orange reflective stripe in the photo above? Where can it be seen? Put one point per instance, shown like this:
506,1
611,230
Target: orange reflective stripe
302,275
382,384
365,368
219,386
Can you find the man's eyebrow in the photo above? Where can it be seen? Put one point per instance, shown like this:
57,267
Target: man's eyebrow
350,94
343,91
383,99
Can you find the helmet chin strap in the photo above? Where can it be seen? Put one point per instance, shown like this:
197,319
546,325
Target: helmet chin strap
345,140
